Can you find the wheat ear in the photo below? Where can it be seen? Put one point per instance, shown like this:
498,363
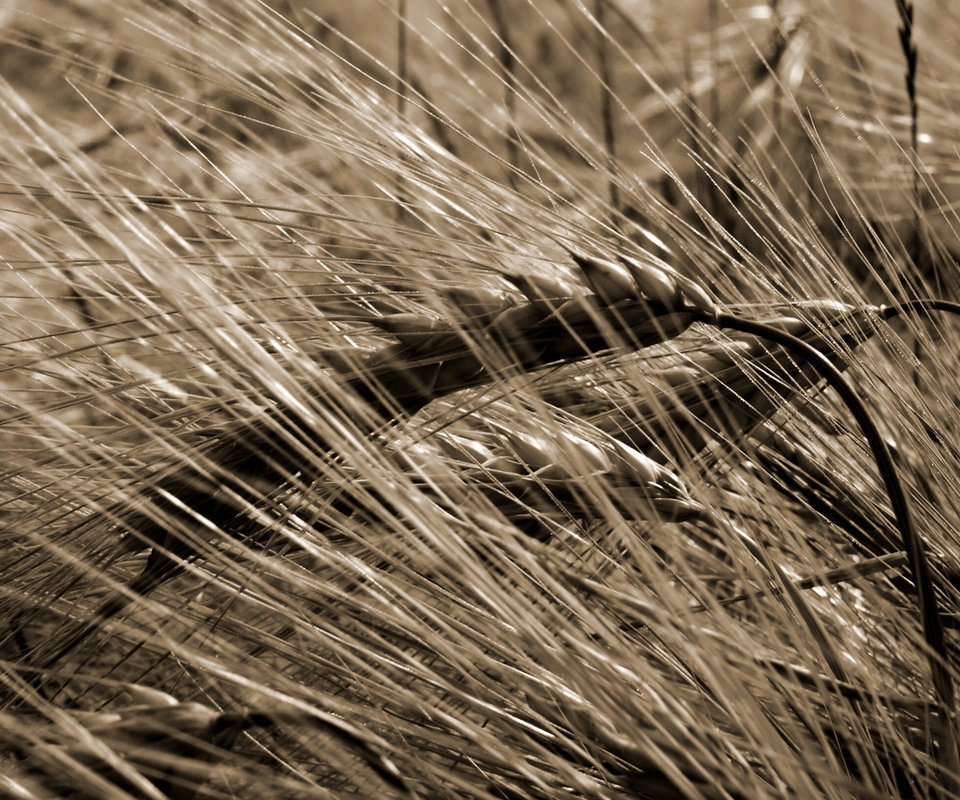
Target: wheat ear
724,391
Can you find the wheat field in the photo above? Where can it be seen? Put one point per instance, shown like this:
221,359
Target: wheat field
481,399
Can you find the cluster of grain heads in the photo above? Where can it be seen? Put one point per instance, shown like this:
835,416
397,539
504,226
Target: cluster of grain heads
491,336
534,470
529,475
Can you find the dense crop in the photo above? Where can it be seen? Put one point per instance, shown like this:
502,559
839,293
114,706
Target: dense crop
501,399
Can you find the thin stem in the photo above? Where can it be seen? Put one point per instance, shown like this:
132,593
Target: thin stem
606,107
908,44
926,304
714,16
507,66
401,94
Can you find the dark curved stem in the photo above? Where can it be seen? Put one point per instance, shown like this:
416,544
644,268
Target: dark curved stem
927,304
926,597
